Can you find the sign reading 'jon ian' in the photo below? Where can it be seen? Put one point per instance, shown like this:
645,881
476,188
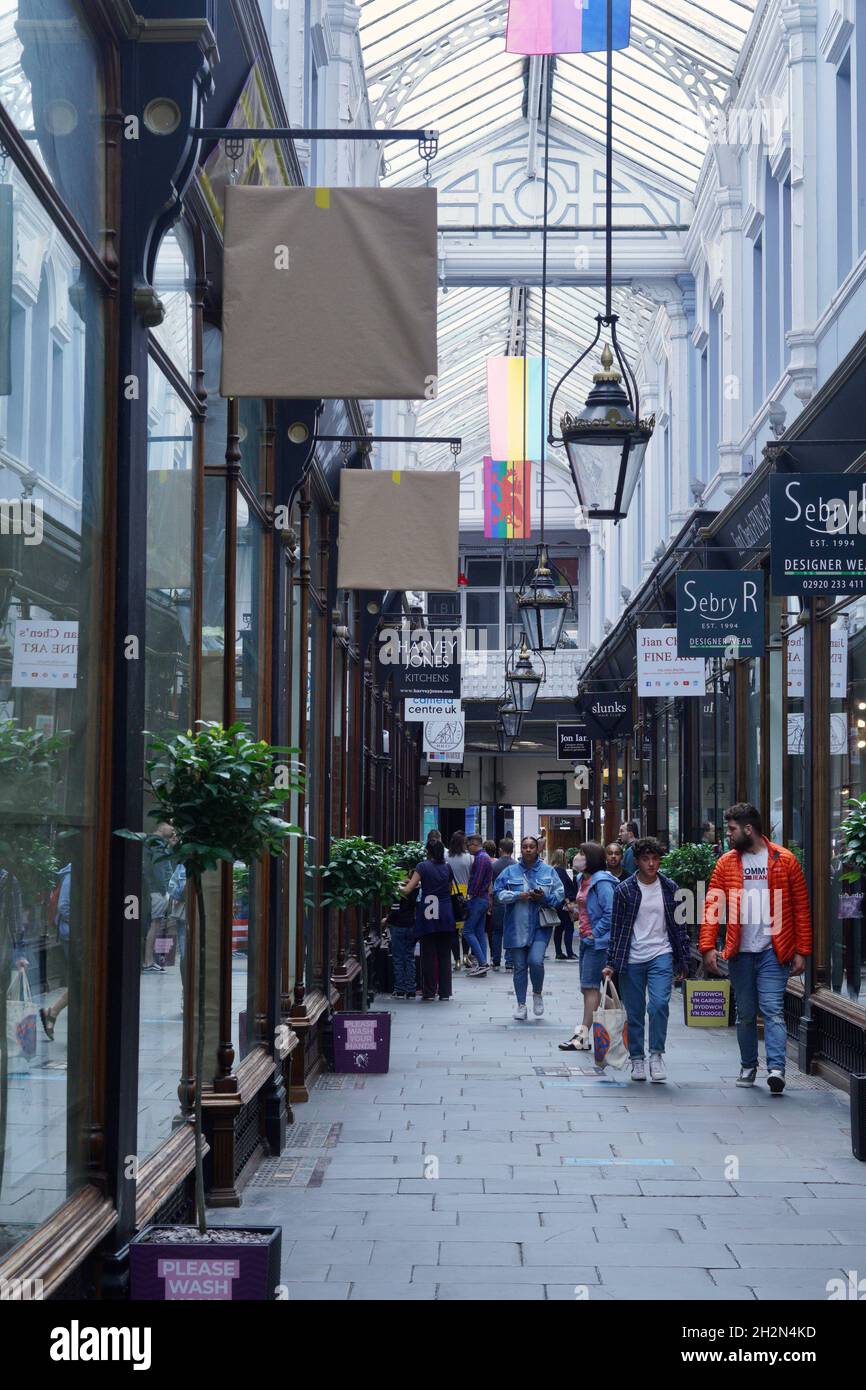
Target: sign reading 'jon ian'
720,613
817,534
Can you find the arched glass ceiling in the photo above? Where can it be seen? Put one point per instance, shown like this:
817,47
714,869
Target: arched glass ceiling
445,66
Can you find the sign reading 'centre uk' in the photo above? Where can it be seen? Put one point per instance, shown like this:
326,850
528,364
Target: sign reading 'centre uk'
818,534
720,613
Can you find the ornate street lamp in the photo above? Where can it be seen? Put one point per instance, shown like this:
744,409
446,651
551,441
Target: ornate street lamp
503,740
523,680
543,604
606,441
510,719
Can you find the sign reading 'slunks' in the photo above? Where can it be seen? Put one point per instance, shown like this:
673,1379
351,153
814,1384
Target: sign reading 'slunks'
818,534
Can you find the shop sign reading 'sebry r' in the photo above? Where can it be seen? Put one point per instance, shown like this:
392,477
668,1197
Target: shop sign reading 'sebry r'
817,534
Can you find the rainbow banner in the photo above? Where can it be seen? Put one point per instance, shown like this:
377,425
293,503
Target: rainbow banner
516,403
565,26
506,500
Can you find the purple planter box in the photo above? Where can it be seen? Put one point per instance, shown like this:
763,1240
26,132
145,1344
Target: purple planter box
362,1042
173,1271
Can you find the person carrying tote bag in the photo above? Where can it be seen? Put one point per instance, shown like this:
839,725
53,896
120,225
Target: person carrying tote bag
610,1029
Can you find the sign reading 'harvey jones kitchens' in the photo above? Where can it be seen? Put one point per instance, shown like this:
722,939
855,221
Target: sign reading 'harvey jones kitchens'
720,613
818,534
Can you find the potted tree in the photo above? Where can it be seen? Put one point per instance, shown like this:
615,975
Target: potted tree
358,874
223,793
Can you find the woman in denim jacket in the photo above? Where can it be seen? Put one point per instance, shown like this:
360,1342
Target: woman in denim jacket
526,888
594,947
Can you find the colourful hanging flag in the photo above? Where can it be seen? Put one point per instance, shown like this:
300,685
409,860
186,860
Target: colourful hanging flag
565,26
506,500
516,407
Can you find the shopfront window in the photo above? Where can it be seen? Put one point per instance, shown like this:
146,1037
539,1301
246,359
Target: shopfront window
52,565
847,965
716,780
752,770
174,282
51,87
169,709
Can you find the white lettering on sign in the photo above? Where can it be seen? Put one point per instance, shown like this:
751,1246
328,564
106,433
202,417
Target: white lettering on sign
198,1279
360,1033
720,608
831,515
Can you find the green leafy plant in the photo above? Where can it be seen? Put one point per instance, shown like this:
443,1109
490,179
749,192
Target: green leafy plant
358,873
853,830
689,865
222,793
797,851
410,853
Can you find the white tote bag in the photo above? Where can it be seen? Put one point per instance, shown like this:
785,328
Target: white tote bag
610,1029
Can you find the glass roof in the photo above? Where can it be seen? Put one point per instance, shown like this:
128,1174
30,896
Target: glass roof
444,66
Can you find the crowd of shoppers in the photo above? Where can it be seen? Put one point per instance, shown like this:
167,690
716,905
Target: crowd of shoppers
624,914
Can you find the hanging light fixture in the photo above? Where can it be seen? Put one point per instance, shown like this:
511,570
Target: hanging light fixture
542,601
510,719
503,740
606,441
523,680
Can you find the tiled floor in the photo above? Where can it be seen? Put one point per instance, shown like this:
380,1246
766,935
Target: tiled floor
487,1163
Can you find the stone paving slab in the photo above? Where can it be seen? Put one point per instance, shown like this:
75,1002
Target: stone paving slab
552,1179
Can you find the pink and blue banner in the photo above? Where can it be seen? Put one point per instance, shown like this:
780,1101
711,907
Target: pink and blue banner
506,500
565,26
516,407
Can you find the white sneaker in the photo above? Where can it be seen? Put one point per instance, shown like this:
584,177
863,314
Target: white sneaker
657,1067
520,1013
638,1069
537,1005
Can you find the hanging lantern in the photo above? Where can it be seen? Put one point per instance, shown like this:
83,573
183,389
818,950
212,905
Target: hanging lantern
523,680
543,605
606,444
503,740
511,720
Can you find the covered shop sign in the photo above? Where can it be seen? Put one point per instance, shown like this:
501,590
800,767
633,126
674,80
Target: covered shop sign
330,293
660,671
398,530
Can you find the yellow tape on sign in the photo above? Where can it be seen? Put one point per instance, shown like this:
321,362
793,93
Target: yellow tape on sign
395,477
323,197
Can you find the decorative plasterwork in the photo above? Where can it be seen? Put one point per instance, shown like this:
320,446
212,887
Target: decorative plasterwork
837,35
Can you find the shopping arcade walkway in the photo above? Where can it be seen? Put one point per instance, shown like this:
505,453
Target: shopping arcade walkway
541,1186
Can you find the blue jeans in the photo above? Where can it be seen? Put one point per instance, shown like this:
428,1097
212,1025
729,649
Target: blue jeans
759,983
529,961
403,959
646,987
474,935
496,933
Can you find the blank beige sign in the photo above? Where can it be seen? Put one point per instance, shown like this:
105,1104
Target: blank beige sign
398,530
330,292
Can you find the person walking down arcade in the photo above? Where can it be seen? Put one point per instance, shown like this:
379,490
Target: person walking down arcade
758,891
650,949
532,892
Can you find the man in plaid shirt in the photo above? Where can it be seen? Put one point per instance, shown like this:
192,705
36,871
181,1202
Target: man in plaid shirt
650,951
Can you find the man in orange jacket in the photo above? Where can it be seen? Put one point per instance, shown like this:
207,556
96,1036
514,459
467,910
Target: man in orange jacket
758,890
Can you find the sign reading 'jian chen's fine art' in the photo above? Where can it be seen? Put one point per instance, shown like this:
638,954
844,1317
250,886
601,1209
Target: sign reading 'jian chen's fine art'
660,671
817,534
720,613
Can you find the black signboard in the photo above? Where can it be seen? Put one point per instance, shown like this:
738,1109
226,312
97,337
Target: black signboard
607,716
720,613
551,793
422,665
429,677
573,742
818,533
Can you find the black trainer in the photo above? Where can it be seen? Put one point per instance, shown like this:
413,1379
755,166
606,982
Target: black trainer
776,1082
747,1076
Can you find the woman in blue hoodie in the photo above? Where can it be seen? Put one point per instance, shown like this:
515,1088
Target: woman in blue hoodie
594,907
